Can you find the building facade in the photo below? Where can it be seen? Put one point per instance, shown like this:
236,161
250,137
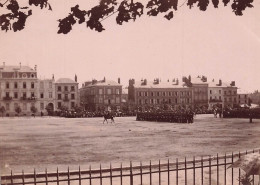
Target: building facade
242,97
18,90
156,93
66,94
103,95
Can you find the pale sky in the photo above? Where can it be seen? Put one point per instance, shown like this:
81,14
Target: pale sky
214,43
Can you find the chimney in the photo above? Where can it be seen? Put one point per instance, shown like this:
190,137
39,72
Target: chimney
52,76
213,80
76,78
4,64
35,68
220,82
189,78
131,82
177,81
104,80
21,65
145,82
233,83
118,80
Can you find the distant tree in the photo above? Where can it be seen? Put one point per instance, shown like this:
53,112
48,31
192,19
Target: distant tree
2,110
18,110
126,10
49,110
33,109
64,108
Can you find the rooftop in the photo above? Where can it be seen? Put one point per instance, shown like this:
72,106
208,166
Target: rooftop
65,81
101,83
151,84
5,68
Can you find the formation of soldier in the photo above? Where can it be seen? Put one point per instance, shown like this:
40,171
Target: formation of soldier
172,117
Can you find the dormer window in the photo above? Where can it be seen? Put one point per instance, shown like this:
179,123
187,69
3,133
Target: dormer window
24,75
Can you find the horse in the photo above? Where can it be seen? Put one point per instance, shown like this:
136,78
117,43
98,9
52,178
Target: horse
109,116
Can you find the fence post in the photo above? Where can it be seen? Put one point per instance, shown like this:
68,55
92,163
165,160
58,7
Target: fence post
201,170
12,177
194,170
232,170
159,172
141,172
253,175
168,172
239,169
131,174
217,171
209,170
46,176
150,172
121,175
100,175
225,170
111,181
34,176
79,176
90,178
23,177
68,175
185,171
58,176
177,171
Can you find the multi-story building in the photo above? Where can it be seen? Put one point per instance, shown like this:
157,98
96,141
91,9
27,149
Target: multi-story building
18,89
66,93
242,97
157,93
222,94
199,87
230,95
101,95
46,95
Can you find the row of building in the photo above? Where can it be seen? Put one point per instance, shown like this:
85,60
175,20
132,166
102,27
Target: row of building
21,87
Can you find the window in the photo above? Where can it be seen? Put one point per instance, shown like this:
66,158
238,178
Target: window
109,91
100,91
140,101
170,101
42,106
72,96
158,93
15,95
24,85
50,94
158,101
245,96
225,92
219,91
59,96
117,99
152,101
72,88
66,97
15,85
109,101
100,100
146,93
65,88
210,91
117,91
50,85
59,104
219,97
59,88
42,95
139,94
164,94
32,95
32,85
72,104
7,94
24,95
7,85
151,93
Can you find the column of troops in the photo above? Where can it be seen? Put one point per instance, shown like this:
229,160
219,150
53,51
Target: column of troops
172,117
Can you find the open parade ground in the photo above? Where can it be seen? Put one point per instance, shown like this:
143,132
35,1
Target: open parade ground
40,143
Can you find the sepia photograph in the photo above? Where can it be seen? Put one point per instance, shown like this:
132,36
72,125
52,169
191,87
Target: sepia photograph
130,92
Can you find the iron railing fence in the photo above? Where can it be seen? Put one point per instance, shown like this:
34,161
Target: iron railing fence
208,170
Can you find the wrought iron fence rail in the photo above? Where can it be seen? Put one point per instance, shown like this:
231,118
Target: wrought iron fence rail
139,170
